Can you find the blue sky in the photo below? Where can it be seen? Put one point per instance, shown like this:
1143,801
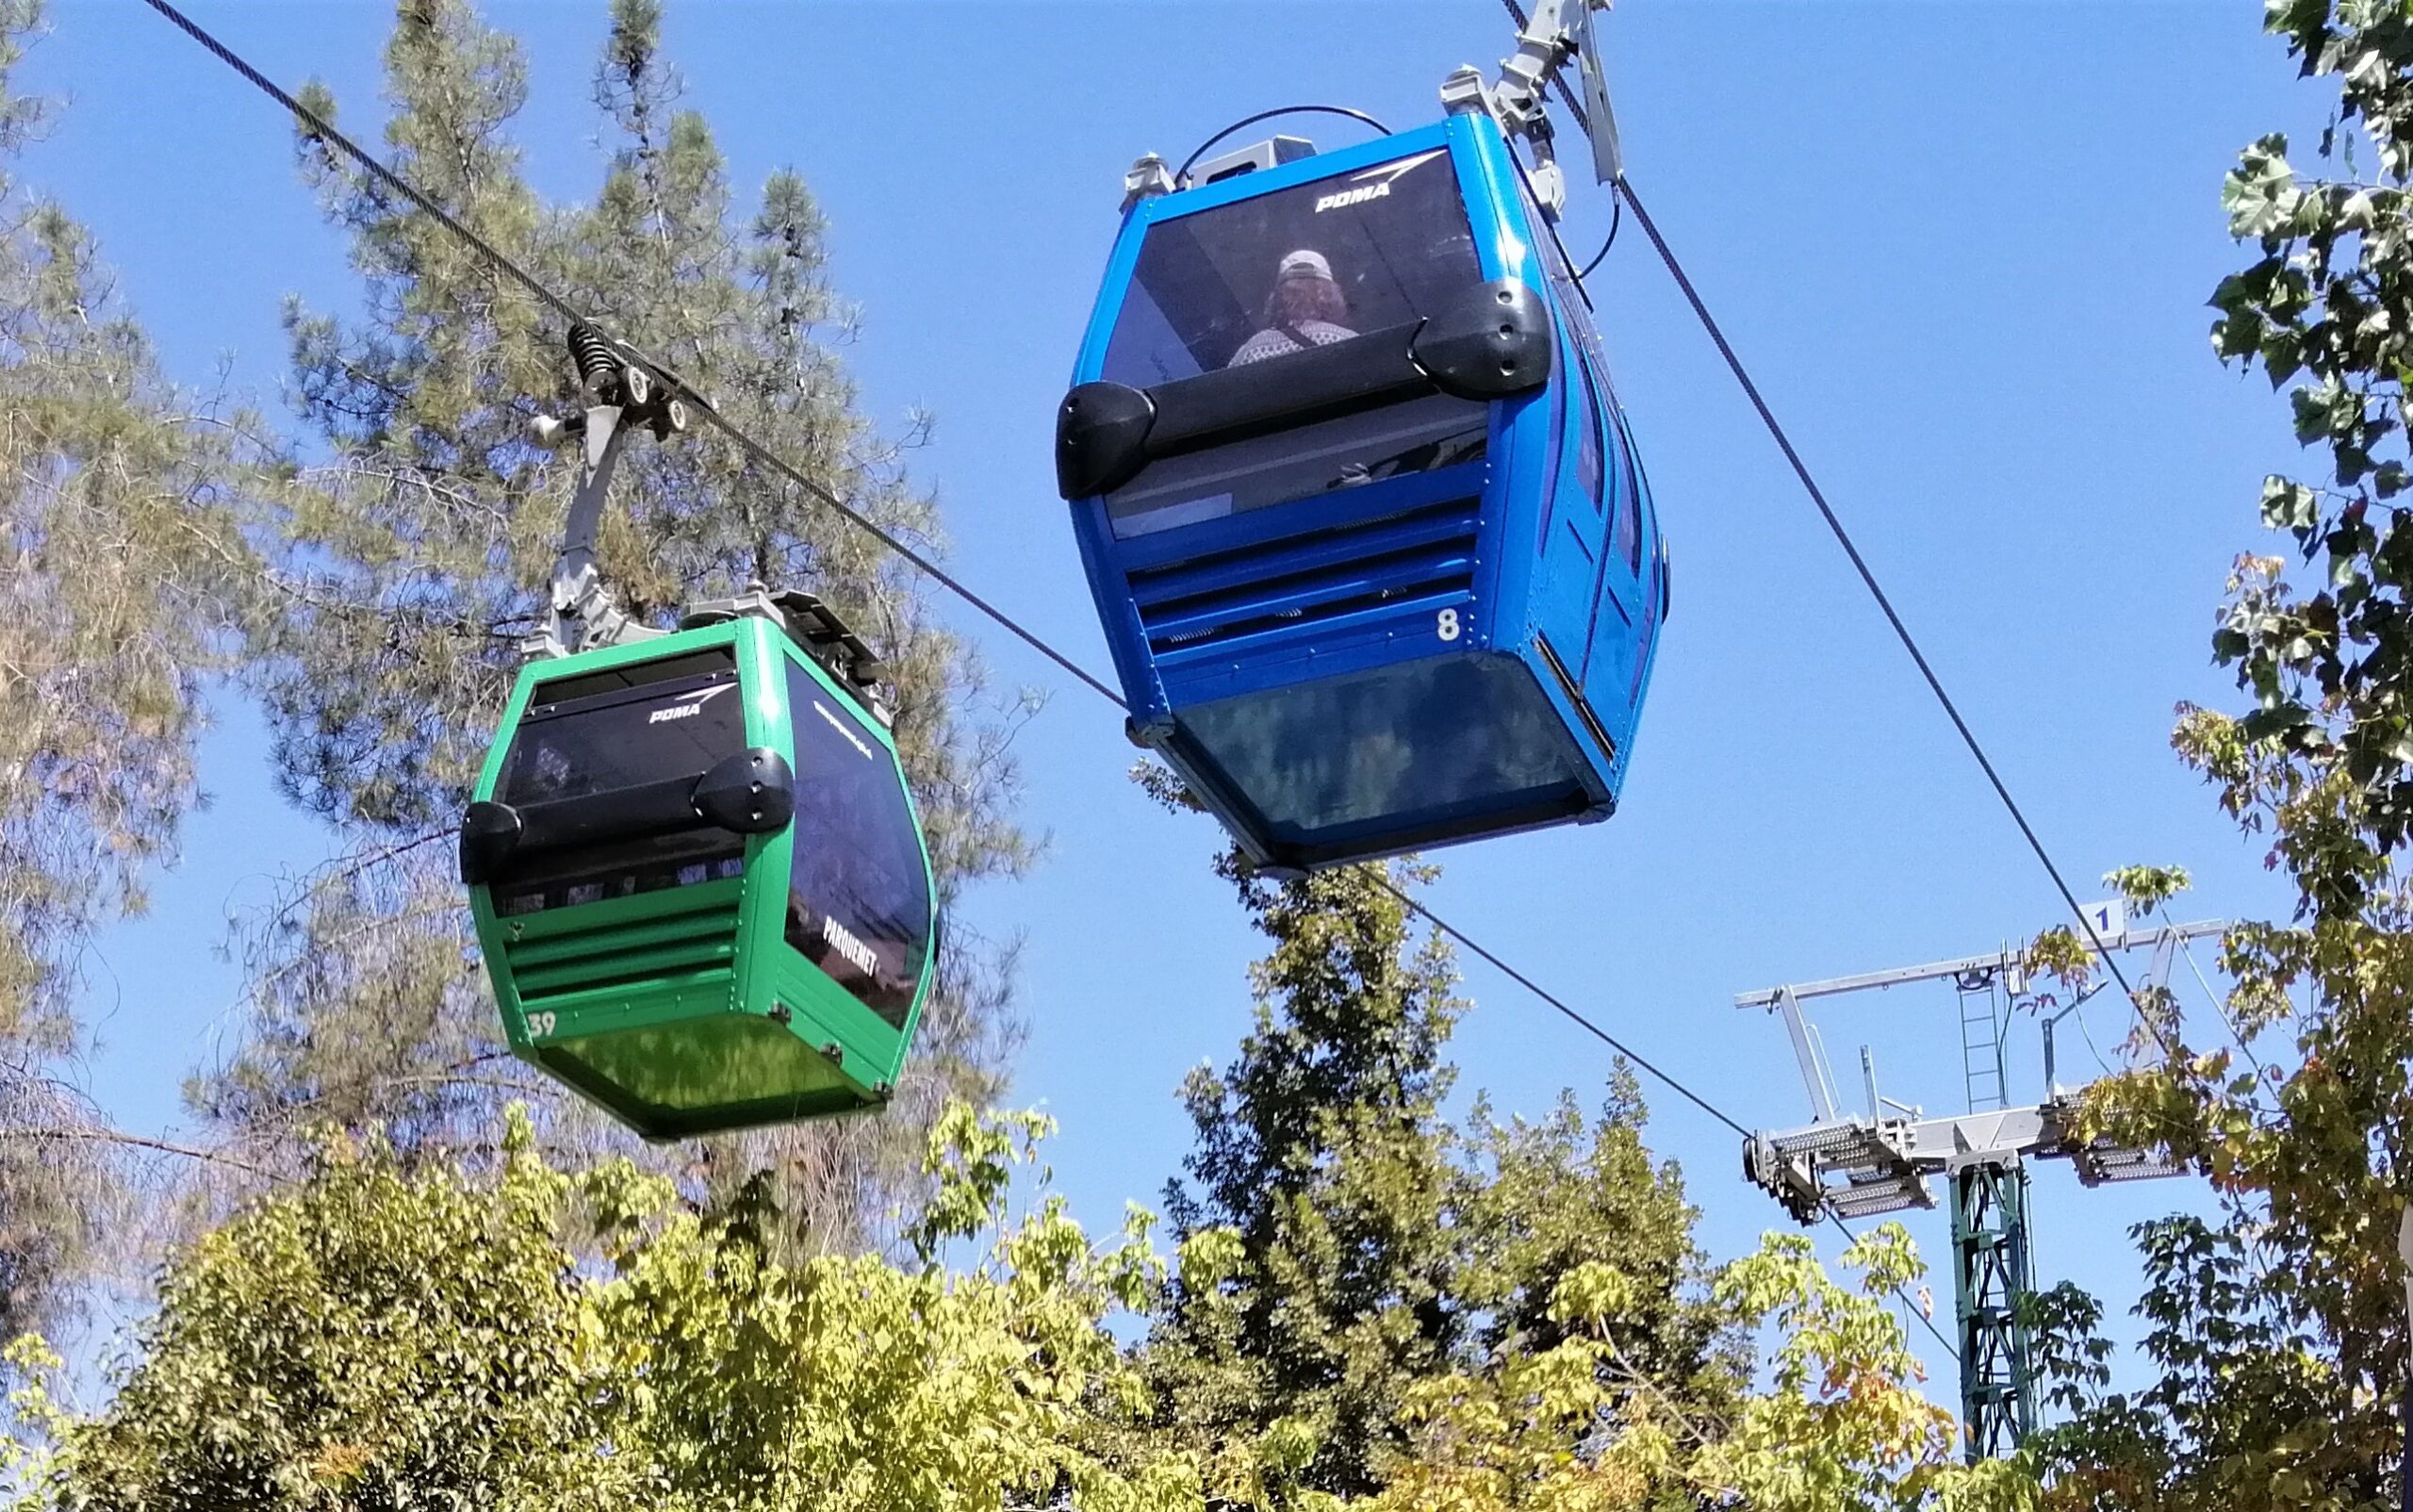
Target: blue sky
1964,247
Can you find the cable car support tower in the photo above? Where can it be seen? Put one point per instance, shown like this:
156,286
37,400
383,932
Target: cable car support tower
1854,1165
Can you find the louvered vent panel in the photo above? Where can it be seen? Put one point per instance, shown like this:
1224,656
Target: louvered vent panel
1305,579
569,960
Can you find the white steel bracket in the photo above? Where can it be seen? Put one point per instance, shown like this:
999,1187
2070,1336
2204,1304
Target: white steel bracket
1559,31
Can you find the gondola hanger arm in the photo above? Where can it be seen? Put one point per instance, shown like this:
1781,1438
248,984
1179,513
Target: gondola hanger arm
619,390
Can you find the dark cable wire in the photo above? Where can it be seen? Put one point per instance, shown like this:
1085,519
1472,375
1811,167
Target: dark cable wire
755,450
321,127
1553,1000
1192,161
1621,191
1868,578
1623,1048
1624,190
1616,221
1950,1351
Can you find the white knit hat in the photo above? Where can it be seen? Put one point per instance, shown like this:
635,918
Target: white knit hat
1303,264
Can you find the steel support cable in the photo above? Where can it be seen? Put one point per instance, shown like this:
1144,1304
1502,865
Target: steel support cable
1885,604
754,448
544,295
1622,194
1623,188
326,130
1555,1001
1951,1351
1817,496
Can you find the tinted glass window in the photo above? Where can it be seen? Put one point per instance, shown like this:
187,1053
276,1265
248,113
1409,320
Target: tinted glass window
1392,747
859,902
1265,277
1588,438
606,732
590,874
609,741
1630,485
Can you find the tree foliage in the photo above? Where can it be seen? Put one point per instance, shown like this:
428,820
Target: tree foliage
1370,1305
1580,1424
1355,1271
1371,1308
1314,1284
393,1336
121,569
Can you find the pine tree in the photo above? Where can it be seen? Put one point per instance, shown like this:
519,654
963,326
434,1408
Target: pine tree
118,572
414,534
1346,1252
1314,1288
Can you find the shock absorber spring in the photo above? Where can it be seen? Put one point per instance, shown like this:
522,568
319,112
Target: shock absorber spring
595,361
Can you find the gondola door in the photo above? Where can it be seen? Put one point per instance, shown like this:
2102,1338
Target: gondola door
1578,530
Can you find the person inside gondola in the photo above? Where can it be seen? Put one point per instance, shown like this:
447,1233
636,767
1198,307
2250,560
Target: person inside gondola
1304,309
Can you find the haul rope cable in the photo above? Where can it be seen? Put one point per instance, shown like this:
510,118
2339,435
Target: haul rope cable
318,126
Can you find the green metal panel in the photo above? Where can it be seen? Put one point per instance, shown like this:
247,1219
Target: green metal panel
685,1010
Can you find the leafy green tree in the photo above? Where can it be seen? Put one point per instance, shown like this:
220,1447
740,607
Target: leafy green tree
119,567
1579,1424
374,1337
388,1336
2241,1383
411,538
1313,1288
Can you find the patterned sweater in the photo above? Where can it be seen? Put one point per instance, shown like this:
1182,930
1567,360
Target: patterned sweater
1279,342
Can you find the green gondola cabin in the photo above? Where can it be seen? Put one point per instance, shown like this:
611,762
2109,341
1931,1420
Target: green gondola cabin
697,879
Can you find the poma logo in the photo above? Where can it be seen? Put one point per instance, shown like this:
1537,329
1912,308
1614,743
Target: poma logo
1374,183
1355,196
689,709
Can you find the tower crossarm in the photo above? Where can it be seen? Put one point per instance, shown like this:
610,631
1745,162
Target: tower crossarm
1969,965
1858,1169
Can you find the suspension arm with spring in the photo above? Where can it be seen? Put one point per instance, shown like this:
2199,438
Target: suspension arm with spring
619,390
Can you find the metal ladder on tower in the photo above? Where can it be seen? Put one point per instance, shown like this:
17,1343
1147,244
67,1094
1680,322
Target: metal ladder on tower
1984,1074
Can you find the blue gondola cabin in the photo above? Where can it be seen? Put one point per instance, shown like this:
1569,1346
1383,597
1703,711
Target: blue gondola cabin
1365,527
